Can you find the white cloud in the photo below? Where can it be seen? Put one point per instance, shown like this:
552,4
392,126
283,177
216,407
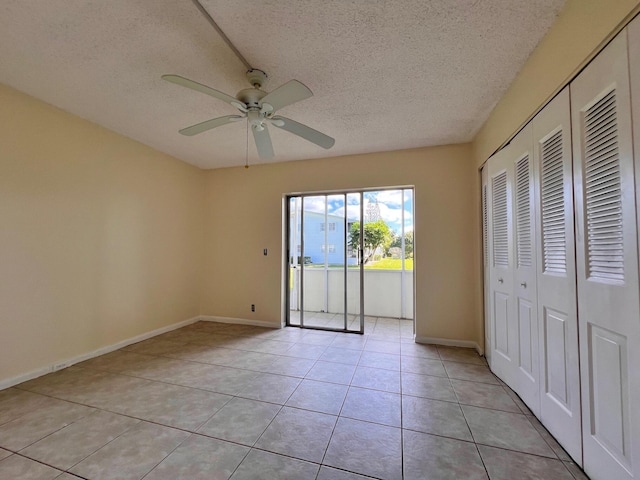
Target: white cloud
394,215
314,204
353,212
390,197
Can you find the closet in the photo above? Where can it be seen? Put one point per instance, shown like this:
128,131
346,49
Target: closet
562,291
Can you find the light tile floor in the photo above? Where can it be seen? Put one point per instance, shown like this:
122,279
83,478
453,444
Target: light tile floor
221,401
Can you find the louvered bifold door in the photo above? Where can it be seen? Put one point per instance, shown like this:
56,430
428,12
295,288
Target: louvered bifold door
556,276
607,265
633,42
525,321
485,260
503,344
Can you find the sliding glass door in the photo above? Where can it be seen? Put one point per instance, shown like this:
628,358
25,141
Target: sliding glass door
350,261
324,262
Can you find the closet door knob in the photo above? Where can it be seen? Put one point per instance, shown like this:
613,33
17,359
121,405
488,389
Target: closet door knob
523,284
500,280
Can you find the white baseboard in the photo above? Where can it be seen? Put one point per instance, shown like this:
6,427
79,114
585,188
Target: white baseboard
10,382
239,321
450,343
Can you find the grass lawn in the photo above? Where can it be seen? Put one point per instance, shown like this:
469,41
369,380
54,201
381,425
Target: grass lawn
391,264
384,264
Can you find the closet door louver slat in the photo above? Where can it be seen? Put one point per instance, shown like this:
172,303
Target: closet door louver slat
485,224
553,212
499,220
603,192
523,213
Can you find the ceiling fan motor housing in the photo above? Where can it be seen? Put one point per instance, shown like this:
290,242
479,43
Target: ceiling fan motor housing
251,97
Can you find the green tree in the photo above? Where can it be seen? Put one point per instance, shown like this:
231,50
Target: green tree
408,243
376,234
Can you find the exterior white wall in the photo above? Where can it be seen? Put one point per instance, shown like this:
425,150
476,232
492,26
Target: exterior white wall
382,297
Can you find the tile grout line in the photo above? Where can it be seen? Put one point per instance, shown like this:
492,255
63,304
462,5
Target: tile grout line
281,406
466,421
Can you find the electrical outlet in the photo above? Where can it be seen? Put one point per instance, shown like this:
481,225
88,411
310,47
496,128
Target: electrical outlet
253,307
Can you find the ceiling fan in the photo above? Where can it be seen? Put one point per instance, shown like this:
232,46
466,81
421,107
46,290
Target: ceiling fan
259,108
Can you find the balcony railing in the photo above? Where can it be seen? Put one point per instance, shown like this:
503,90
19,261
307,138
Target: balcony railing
387,293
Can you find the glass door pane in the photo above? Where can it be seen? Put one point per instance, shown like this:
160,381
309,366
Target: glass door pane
295,259
324,276
407,327
314,309
355,263
335,260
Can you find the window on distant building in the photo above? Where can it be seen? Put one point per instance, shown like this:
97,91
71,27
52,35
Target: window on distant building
332,227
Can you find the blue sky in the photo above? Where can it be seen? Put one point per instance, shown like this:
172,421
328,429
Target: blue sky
389,201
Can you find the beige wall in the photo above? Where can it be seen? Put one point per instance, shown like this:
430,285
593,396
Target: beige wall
100,236
578,34
244,216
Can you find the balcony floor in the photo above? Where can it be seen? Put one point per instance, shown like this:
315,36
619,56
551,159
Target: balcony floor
389,328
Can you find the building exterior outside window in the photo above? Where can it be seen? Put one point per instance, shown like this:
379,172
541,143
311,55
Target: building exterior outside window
314,239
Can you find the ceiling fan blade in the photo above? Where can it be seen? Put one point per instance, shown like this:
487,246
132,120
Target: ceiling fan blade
209,124
263,142
308,133
198,87
291,92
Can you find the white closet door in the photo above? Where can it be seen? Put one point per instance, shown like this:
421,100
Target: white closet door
525,292
503,345
634,66
557,303
607,265
485,261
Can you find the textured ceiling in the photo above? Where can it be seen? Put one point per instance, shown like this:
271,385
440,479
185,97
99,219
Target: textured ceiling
386,74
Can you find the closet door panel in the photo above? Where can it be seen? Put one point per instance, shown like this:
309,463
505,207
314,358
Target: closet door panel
557,380
485,261
607,264
526,323
503,342
634,67
556,276
525,289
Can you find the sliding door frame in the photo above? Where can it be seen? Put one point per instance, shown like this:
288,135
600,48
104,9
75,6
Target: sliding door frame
360,255
288,234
